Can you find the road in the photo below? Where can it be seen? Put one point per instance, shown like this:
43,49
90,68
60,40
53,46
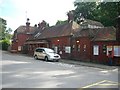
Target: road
20,71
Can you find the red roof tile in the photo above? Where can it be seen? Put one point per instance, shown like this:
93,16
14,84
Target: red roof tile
65,29
22,29
105,34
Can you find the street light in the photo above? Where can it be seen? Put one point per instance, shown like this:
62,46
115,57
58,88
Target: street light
77,41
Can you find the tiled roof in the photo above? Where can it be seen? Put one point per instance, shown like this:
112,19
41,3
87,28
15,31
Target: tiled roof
105,34
86,33
22,29
72,28
65,29
100,34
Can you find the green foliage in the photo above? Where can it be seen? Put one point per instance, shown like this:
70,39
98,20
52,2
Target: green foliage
85,8
4,44
4,33
7,33
107,13
60,22
3,24
104,12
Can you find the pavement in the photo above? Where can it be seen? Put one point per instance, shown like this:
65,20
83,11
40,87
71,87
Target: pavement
75,62
89,64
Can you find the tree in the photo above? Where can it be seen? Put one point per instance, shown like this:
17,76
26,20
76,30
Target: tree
5,35
3,24
104,12
84,8
107,12
60,22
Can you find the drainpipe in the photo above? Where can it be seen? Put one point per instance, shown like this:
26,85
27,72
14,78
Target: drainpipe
118,29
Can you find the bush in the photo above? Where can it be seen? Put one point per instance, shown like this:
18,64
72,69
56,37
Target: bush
4,44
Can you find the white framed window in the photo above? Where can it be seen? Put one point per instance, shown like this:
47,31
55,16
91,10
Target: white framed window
117,51
19,48
95,50
67,49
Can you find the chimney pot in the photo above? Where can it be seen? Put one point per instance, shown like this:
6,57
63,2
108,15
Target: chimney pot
27,25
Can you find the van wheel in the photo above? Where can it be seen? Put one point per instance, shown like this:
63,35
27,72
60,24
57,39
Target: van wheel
46,58
36,57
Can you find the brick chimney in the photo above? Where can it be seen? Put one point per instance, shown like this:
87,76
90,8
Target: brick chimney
42,25
118,29
70,16
27,25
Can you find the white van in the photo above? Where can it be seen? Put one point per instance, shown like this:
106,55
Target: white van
46,54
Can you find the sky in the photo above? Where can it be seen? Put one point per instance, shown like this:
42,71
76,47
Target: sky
16,11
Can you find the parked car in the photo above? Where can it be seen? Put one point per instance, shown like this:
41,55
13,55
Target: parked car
46,54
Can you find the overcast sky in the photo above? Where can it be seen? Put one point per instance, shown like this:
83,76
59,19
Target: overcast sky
16,11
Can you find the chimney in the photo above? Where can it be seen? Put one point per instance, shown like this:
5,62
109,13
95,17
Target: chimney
27,25
70,16
42,25
118,29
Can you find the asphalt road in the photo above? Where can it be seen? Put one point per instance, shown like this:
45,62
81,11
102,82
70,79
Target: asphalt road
19,71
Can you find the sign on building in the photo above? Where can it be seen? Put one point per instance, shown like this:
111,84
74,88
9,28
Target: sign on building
109,48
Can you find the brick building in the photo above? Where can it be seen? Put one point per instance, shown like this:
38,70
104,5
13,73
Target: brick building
90,41
21,34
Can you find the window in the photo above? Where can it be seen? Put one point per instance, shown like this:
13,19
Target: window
78,48
67,49
117,51
84,48
39,50
95,50
73,47
19,48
